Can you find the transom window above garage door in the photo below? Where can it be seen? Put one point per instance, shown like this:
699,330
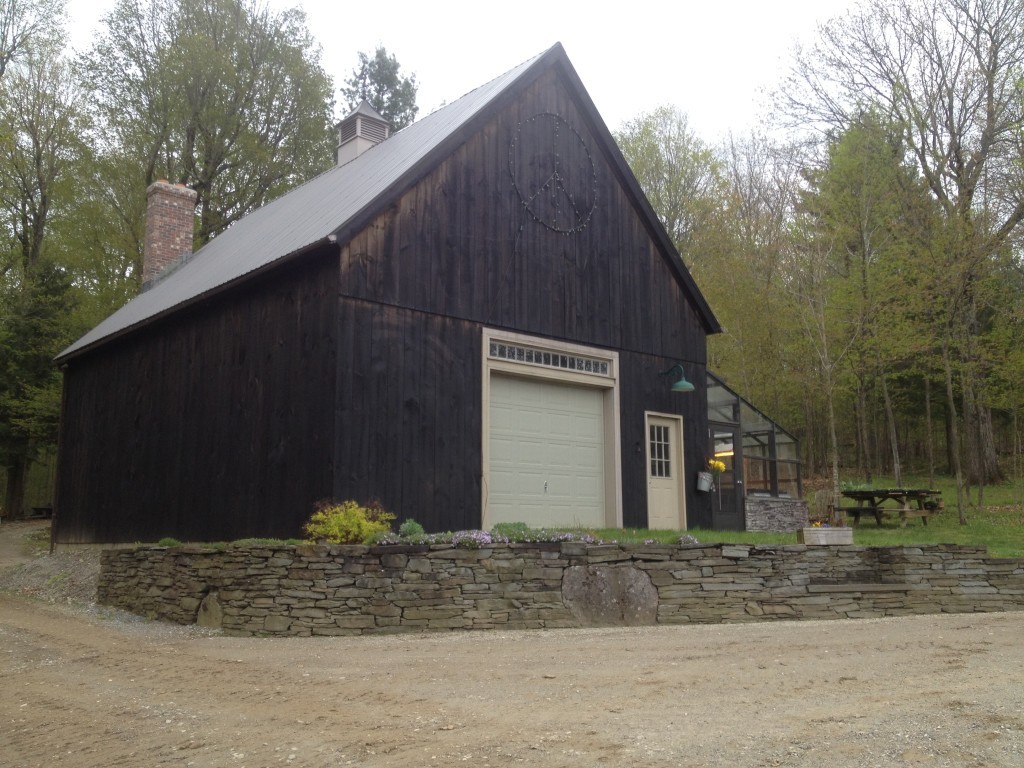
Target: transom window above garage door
551,440
522,353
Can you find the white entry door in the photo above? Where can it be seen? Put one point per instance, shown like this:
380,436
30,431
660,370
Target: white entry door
665,499
546,453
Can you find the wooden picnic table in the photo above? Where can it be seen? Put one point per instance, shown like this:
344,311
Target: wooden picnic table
908,502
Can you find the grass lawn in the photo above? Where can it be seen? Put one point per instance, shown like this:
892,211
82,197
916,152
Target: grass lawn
1000,527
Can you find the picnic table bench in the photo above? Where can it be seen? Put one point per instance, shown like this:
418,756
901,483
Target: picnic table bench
908,502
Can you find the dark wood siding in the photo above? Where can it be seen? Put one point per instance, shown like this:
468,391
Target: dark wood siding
409,418
216,424
643,390
408,414
356,374
461,244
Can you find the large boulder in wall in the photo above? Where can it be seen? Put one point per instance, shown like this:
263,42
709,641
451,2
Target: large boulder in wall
610,596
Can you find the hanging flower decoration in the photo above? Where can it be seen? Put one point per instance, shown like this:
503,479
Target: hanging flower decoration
716,467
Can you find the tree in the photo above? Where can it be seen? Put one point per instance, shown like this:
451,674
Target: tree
40,105
99,232
948,73
379,81
33,329
829,334
225,96
862,197
25,24
743,274
678,172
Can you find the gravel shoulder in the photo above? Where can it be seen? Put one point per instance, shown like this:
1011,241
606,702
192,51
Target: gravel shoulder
84,686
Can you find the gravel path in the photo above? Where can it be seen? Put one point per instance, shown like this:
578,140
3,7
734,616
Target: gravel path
86,687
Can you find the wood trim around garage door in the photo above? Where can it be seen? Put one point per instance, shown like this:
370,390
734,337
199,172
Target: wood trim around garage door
606,379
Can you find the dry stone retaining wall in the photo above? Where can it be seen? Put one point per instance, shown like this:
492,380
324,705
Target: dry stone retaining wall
332,590
764,513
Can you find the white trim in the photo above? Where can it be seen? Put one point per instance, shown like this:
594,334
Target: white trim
678,461
609,383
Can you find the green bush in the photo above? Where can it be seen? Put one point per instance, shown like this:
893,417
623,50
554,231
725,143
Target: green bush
410,528
348,522
168,541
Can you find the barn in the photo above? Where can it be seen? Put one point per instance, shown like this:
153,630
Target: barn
476,319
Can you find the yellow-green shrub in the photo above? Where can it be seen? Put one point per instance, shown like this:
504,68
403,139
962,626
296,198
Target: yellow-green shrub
347,522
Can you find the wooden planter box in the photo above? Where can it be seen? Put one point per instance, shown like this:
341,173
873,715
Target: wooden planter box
825,536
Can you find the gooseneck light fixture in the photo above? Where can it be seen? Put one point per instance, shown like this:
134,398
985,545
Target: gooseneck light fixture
682,384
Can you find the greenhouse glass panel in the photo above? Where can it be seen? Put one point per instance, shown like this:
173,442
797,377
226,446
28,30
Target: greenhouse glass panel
769,455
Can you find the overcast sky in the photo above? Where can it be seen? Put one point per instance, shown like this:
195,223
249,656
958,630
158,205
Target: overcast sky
716,60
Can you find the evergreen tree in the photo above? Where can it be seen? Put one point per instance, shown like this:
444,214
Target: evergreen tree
378,80
34,327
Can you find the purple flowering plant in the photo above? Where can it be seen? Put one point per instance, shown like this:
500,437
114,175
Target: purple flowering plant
501,533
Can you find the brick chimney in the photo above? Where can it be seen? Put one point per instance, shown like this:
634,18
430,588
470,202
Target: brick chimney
170,214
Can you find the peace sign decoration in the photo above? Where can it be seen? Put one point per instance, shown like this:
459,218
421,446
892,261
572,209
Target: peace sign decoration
553,173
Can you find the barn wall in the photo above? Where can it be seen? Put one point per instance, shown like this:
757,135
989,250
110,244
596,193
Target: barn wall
408,414
644,390
409,418
460,243
359,376
459,251
215,424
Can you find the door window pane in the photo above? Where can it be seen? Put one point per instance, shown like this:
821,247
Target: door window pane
661,454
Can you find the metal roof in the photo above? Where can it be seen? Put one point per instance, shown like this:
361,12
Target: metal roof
320,211
305,217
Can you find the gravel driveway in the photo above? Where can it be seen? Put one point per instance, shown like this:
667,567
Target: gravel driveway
90,687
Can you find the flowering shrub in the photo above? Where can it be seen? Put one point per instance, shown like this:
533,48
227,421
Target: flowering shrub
501,533
520,533
476,539
386,537
581,536
688,540
348,522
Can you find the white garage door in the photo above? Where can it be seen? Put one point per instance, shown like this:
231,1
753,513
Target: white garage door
547,453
